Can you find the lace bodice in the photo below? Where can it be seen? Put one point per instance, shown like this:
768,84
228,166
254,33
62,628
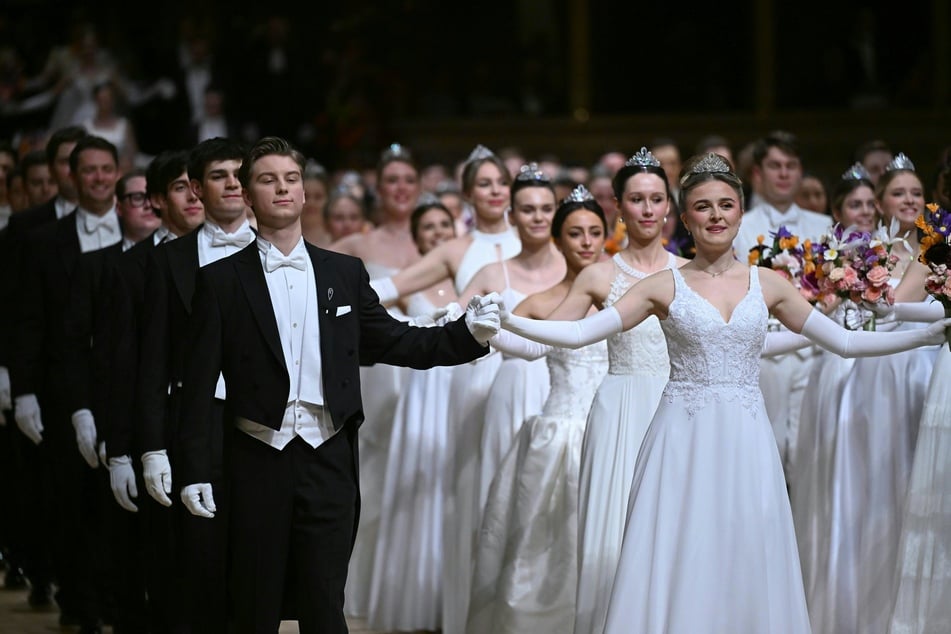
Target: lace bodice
574,378
642,349
711,359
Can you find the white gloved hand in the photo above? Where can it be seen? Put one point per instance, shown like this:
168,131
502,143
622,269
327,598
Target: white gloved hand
453,312
439,317
27,416
483,316
853,344
850,315
926,311
5,401
157,474
122,482
103,457
198,499
85,428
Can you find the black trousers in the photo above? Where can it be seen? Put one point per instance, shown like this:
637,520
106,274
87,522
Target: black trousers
293,518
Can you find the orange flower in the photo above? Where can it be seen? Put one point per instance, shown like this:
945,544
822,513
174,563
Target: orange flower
760,239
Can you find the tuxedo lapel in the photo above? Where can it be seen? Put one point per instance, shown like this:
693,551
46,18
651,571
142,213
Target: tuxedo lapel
183,262
251,274
67,243
327,280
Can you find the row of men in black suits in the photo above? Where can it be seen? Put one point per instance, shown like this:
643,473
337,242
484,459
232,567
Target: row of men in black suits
213,356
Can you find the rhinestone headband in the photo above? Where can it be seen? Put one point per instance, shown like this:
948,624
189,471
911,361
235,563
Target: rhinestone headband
428,198
478,153
531,172
643,159
578,195
394,152
709,164
855,173
900,162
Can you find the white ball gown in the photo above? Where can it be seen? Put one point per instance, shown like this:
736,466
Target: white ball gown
467,395
380,385
923,597
709,544
816,491
878,419
518,391
406,585
526,558
622,409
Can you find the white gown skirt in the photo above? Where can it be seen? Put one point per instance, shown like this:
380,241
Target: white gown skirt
709,545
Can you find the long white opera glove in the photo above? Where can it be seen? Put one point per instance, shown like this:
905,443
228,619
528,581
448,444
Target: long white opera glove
385,289
783,342
27,415
157,475
5,401
566,334
85,428
482,317
908,311
856,343
122,482
516,346
199,500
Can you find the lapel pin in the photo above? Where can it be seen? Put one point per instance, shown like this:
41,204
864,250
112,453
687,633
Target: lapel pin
330,294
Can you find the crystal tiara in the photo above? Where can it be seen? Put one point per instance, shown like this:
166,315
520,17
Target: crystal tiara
478,153
531,172
709,164
395,152
855,173
578,195
643,159
900,162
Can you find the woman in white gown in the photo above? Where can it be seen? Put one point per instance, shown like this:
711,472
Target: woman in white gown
629,393
820,451
709,544
485,184
405,590
923,575
880,408
526,556
520,386
388,248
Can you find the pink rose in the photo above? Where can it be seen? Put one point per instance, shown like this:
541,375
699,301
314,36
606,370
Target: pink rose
872,294
878,275
850,276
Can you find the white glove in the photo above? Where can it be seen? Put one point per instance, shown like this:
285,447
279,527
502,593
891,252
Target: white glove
5,400
27,416
439,317
103,458
122,481
566,334
453,312
157,475
782,342
926,311
516,346
856,343
851,315
199,500
482,316
85,428
385,289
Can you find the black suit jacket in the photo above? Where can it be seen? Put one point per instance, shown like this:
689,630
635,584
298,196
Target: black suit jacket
124,303
50,257
169,285
233,330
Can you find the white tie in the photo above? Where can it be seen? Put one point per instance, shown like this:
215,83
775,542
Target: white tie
240,238
274,260
93,224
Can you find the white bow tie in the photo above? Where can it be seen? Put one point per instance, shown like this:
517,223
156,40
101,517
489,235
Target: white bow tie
92,223
274,260
240,238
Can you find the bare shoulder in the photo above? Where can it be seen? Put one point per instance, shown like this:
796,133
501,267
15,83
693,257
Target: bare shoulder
540,305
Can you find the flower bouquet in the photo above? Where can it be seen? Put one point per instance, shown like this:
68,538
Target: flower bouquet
848,264
935,252
786,256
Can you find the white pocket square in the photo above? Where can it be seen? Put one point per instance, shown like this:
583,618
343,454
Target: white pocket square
342,310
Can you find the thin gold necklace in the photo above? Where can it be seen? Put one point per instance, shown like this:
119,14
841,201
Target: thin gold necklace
719,273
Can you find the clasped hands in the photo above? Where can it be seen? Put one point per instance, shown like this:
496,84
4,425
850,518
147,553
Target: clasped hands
484,316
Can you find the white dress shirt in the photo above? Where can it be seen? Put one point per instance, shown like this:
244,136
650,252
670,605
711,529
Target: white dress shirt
63,207
97,232
292,286
213,245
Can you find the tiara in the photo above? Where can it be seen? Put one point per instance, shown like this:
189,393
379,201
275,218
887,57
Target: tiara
395,152
709,164
856,173
531,172
643,159
479,152
428,198
578,195
900,162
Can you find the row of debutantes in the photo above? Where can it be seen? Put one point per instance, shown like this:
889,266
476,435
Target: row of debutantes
533,488
126,336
